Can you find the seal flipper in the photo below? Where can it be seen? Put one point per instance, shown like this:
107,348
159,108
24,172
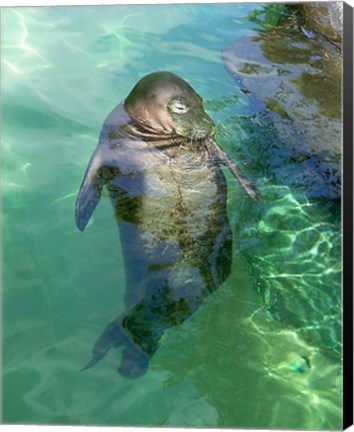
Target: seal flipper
135,361
112,336
224,159
90,191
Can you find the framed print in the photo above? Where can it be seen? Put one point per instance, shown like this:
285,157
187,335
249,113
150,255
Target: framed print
177,215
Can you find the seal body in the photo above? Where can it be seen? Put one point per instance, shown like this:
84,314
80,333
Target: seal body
161,166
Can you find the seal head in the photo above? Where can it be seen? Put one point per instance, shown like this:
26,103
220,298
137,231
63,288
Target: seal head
165,104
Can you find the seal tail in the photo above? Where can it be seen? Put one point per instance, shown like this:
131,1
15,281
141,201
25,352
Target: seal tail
112,336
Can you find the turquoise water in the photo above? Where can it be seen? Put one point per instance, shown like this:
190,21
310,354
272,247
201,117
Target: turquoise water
264,351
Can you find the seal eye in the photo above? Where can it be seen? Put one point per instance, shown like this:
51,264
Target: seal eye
178,107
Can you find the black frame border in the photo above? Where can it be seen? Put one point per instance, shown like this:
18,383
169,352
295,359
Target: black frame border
347,212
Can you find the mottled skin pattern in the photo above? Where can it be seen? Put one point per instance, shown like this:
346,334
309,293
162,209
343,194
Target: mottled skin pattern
161,166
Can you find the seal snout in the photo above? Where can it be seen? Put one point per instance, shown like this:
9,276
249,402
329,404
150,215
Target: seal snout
209,126
204,127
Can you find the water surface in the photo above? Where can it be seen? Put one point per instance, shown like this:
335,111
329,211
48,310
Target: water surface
264,351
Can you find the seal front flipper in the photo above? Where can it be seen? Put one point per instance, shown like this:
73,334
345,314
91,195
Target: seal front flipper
90,191
223,158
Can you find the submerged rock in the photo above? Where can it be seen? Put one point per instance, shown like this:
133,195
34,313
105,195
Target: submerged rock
324,18
292,76
293,81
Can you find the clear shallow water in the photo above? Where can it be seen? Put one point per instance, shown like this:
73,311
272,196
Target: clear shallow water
264,350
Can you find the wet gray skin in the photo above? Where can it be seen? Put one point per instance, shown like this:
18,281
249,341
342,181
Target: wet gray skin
161,166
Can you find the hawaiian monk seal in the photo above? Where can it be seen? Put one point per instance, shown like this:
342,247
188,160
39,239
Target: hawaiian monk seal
161,166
